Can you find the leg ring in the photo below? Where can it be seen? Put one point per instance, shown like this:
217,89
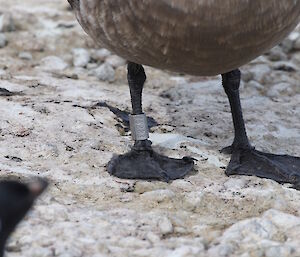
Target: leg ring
139,127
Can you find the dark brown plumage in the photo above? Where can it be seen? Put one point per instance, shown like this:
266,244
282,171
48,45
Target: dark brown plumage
200,37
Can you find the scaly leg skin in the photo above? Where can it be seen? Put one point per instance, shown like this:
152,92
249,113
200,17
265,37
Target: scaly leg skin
142,162
245,160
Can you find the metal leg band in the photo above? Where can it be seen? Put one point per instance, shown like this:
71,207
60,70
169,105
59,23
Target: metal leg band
139,127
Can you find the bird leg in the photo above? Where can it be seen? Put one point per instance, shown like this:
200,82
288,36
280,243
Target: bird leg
245,160
142,162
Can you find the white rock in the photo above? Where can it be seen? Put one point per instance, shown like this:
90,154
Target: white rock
222,250
287,45
254,84
235,183
165,226
81,57
297,44
6,22
153,238
3,40
259,71
193,199
104,72
91,66
63,251
279,251
282,220
279,89
133,242
159,196
186,251
296,58
251,228
276,54
53,63
101,54
25,55
40,252
115,61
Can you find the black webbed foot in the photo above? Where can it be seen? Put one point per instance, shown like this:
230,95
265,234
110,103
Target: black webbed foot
144,163
281,168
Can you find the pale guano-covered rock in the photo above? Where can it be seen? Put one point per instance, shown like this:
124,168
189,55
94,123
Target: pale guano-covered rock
115,61
104,72
53,63
264,236
3,40
25,56
297,44
186,251
6,22
276,54
160,195
165,226
259,72
279,90
81,57
100,54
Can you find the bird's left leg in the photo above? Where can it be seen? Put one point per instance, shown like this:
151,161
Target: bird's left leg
142,162
245,160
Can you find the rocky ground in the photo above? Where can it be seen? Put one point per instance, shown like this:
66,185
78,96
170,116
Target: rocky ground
52,125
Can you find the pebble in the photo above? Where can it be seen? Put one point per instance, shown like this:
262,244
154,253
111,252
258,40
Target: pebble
115,61
104,72
255,84
259,71
133,242
81,57
153,238
160,195
101,54
235,183
25,56
165,226
3,40
53,63
186,251
92,66
287,45
279,89
297,44
276,54
285,66
296,58
279,251
193,199
6,22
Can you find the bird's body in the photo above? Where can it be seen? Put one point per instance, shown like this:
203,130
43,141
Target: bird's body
199,37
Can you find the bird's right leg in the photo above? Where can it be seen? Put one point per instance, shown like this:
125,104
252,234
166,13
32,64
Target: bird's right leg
245,160
142,162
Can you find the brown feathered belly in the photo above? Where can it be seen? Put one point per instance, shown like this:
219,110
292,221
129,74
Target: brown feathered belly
199,37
